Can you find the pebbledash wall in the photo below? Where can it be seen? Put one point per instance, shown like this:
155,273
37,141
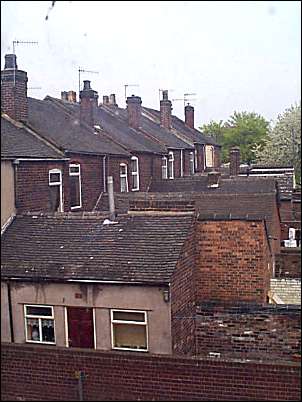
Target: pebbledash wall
46,373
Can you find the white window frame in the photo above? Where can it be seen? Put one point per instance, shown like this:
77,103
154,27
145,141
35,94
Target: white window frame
124,175
135,173
195,160
40,318
78,174
57,183
171,163
145,323
164,167
192,163
211,148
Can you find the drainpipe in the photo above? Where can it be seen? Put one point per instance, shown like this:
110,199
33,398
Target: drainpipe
104,173
111,198
16,163
10,312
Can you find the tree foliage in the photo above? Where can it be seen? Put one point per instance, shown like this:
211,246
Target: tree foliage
283,145
243,129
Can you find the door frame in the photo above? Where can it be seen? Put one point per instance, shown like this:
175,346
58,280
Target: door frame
66,325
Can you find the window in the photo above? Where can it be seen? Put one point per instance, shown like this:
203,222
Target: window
192,162
55,190
134,173
129,330
171,165
164,168
39,324
123,178
75,186
209,156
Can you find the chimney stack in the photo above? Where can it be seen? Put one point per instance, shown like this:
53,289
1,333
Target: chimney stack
213,179
64,96
14,89
88,104
72,96
234,161
166,111
112,100
105,100
189,115
134,111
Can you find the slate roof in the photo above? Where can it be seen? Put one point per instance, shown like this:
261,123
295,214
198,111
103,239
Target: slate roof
18,142
63,247
65,131
189,134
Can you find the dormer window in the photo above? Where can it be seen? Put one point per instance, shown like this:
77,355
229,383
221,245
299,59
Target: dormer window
134,173
123,178
75,186
209,156
171,165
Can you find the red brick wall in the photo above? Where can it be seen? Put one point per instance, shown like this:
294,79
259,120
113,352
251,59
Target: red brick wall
33,186
32,372
232,261
183,300
113,169
249,332
288,264
13,97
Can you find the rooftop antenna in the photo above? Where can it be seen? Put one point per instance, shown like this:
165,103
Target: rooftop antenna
161,90
81,70
21,42
185,98
129,85
34,88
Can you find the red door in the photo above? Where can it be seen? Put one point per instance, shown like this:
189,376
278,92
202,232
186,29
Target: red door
80,327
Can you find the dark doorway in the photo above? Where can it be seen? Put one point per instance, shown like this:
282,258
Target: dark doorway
80,327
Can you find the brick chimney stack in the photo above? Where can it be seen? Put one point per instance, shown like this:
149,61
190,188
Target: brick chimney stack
234,161
189,115
134,109
14,89
71,96
105,100
166,111
88,104
112,100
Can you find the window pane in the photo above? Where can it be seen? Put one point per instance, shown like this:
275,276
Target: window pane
54,198
130,336
134,181
41,311
48,334
33,329
122,169
128,316
54,178
123,184
74,191
74,169
133,165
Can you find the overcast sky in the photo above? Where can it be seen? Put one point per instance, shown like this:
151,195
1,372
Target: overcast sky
243,56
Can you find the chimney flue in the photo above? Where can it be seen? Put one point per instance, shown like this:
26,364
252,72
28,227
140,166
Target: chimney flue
111,198
112,100
189,116
166,111
106,100
134,111
234,161
72,96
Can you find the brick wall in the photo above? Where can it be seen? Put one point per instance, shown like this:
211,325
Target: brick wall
33,185
232,261
288,263
113,169
183,300
47,373
251,332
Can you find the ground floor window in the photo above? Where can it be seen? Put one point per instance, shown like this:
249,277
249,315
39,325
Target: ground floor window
164,168
123,178
129,330
39,324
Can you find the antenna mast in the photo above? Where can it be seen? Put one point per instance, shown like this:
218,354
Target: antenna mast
21,42
81,70
129,85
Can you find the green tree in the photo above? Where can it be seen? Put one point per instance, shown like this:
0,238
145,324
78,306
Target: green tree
214,130
283,145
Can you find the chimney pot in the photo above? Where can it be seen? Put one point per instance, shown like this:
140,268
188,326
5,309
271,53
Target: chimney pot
86,85
64,96
10,61
105,100
112,100
72,96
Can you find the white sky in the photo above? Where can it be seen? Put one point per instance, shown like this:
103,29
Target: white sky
243,56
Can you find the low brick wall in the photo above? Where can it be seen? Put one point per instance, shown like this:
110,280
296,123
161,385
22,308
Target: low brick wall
252,332
34,372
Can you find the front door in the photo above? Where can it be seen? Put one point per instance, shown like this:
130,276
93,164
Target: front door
80,327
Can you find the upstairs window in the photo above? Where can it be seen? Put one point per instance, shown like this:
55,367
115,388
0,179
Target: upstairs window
39,324
164,168
171,165
209,156
192,163
75,186
55,190
134,174
129,330
123,178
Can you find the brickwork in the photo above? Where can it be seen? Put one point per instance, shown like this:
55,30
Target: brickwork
288,263
48,373
183,300
252,332
113,169
232,261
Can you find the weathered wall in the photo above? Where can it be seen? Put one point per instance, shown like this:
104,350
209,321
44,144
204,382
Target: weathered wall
7,191
288,263
47,373
102,298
